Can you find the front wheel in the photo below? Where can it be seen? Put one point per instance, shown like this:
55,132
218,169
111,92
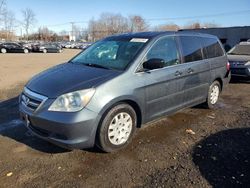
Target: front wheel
117,128
213,94
3,50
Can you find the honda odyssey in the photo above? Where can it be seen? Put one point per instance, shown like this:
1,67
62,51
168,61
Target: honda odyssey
101,96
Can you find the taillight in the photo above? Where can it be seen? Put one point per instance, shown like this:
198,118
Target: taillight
228,66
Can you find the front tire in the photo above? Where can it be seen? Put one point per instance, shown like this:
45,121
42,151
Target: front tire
213,94
117,128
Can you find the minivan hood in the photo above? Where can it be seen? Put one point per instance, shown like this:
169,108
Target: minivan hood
68,77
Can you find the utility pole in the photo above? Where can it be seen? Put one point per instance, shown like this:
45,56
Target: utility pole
72,28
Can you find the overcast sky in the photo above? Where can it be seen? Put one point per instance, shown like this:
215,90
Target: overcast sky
56,12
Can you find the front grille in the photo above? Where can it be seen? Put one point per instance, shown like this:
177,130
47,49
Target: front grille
32,100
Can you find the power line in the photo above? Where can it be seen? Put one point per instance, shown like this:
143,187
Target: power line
173,18
201,16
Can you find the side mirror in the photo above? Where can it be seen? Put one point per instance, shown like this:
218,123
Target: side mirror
154,63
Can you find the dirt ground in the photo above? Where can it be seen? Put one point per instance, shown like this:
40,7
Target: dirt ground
192,148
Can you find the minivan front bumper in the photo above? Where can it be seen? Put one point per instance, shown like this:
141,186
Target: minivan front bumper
68,130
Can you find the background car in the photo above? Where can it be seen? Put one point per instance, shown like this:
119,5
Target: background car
11,47
47,48
26,45
239,59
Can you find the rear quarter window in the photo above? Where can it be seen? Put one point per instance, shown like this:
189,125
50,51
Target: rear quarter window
212,48
191,48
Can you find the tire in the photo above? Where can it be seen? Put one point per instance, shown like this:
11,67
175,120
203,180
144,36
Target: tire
213,95
3,50
26,51
45,51
117,128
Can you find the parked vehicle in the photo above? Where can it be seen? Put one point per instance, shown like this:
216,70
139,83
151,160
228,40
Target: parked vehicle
84,46
118,84
27,45
47,48
68,45
239,59
11,47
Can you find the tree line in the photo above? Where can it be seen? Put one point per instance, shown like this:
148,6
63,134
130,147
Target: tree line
107,24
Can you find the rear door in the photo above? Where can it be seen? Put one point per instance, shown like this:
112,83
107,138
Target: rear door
196,70
164,86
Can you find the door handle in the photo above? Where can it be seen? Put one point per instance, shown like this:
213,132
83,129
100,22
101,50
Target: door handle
190,71
178,73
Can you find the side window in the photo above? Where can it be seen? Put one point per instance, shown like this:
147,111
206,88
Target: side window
165,49
212,48
15,45
191,48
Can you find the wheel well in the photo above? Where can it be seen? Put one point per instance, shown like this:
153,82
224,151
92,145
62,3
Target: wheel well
220,81
137,109
134,105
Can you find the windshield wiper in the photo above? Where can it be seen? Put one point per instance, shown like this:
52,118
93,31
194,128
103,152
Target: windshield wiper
96,65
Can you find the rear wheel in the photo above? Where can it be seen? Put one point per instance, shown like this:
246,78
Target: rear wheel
213,94
117,128
3,50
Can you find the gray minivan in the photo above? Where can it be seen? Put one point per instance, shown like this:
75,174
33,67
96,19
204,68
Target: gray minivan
101,96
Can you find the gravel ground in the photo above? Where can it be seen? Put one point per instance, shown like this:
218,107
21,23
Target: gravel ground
195,147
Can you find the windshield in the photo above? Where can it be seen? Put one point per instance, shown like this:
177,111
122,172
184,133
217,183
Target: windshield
240,50
109,54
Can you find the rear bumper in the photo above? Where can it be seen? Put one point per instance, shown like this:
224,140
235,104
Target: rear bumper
67,130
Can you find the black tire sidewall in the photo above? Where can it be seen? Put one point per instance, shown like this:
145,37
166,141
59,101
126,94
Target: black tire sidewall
209,104
103,141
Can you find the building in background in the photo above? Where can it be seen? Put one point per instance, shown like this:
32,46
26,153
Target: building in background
229,36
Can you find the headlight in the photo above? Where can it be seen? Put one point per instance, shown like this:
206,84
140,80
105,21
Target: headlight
72,102
248,63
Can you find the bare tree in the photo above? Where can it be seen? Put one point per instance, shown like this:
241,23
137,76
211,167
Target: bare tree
137,24
194,25
28,20
9,24
198,25
3,10
167,27
107,24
